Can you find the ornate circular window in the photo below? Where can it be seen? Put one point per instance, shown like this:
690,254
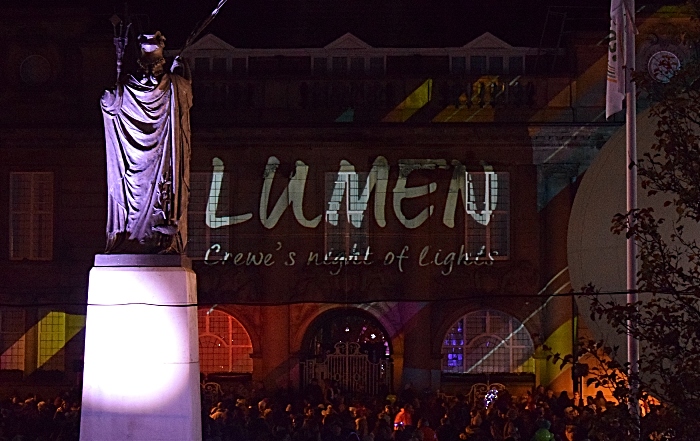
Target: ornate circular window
662,65
35,70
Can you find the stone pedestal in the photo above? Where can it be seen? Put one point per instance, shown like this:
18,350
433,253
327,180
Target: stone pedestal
141,377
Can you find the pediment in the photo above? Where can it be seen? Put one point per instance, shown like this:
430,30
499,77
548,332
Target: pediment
487,41
209,42
347,41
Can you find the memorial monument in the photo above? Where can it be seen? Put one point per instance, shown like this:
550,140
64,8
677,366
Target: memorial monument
141,375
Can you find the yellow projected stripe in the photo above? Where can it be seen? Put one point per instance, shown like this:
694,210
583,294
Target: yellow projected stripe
54,330
413,103
474,112
560,342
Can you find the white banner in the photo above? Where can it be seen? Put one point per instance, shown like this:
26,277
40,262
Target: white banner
615,91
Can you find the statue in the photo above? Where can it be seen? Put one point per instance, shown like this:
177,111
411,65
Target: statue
147,132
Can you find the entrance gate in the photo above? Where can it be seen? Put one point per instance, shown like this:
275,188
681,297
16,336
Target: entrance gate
352,369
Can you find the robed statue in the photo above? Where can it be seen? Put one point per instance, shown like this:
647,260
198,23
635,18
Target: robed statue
147,131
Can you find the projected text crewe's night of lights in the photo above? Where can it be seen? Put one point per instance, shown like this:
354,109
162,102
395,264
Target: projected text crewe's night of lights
427,256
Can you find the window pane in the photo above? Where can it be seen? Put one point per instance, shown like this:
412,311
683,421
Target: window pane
52,339
320,65
346,219
340,65
376,65
477,65
21,191
31,215
515,65
12,339
224,345
201,64
494,343
459,65
219,65
238,65
487,222
202,209
357,65
495,65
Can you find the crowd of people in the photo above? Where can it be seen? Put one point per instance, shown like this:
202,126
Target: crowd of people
324,413
33,418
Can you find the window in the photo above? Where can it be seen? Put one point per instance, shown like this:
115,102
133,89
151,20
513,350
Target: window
340,65
295,65
224,344
515,65
31,215
486,342
459,65
477,65
346,218
320,65
207,222
357,65
376,65
238,65
487,232
201,64
12,338
495,65
219,65
52,338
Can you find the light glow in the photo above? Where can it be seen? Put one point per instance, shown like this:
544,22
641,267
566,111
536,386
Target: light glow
418,99
137,357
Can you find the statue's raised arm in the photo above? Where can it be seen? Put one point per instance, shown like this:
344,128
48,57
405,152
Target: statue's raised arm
147,133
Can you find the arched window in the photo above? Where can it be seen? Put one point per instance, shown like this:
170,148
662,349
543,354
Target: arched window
224,344
487,341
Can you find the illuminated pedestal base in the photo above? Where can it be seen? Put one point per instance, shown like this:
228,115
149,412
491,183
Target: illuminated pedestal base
141,377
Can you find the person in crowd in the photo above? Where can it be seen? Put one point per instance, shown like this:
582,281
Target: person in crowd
404,419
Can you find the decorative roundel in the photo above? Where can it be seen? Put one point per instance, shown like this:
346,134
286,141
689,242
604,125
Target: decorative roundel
35,70
662,65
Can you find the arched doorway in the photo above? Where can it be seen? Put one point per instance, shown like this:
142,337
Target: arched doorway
350,348
224,344
487,342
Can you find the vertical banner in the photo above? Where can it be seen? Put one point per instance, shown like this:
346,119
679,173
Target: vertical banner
615,91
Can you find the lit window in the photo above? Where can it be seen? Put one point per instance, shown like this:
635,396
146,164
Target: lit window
52,338
12,339
31,215
224,344
486,342
346,219
487,232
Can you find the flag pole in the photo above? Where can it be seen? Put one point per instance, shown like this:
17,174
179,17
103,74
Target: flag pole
631,173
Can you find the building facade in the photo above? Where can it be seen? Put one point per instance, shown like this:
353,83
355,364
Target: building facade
366,214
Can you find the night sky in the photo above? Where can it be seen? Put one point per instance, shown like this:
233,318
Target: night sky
381,23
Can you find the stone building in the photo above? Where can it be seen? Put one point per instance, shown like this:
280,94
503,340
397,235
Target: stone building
372,214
